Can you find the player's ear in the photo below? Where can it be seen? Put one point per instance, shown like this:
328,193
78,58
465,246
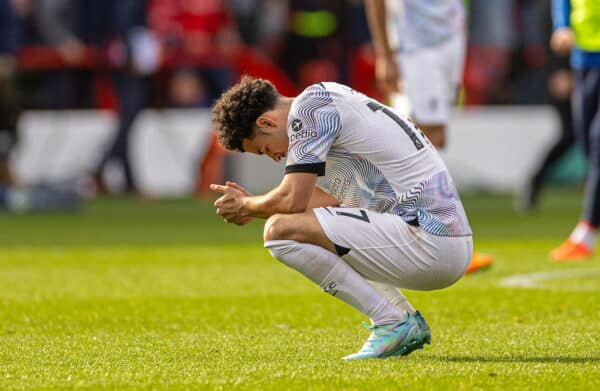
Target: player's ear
265,120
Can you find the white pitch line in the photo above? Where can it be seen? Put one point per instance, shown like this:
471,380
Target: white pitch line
532,280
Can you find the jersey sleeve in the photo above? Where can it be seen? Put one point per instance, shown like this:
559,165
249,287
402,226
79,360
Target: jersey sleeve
561,12
313,126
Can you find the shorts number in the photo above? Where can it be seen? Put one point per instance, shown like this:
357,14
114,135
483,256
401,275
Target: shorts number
363,215
375,106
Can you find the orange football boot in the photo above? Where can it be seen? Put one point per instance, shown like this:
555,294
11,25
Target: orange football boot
479,262
570,251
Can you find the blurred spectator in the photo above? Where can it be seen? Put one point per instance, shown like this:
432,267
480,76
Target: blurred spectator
135,50
559,87
15,197
194,32
63,25
199,36
577,29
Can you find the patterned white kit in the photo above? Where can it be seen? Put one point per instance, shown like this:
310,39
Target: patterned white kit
377,163
382,247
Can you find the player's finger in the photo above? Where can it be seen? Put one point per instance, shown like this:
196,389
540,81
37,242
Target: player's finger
219,201
237,187
234,185
218,188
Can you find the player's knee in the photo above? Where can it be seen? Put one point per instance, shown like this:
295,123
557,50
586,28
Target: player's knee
276,228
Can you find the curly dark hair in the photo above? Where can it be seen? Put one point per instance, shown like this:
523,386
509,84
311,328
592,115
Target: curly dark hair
236,111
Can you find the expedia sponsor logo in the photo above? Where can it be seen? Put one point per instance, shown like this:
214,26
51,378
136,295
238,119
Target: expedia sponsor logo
303,134
296,125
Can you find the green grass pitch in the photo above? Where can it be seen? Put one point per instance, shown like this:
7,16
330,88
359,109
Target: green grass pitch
164,295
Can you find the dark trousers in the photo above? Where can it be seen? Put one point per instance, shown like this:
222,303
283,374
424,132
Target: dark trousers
564,143
586,117
131,91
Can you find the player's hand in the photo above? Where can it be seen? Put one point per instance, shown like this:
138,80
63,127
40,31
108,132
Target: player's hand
243,220
238,187
387,73
229,204
237,220
562,40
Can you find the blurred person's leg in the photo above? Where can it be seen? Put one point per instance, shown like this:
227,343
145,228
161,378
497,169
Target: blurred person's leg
586,115
566,140
131,91
582,105
560,88
591,207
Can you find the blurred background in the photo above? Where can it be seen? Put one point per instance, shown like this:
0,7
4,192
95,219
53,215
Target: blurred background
113,96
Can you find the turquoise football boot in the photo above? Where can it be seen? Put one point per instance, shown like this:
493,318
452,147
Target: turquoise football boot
423,328
394,339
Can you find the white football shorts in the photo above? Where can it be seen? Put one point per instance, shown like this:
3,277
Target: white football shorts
384,248
431,78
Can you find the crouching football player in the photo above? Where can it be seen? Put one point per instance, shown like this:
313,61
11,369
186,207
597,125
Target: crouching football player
390,218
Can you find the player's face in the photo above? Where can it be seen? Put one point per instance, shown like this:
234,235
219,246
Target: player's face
267,142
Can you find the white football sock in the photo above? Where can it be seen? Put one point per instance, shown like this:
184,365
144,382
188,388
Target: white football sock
584,233
336,277
394,296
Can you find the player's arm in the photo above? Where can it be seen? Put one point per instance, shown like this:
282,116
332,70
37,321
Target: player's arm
321,198
318,198
377,19
291,196
386,67
278,201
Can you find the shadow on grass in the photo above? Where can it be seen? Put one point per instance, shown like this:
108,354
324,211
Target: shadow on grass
524,359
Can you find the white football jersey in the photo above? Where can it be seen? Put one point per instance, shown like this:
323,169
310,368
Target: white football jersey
372,158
